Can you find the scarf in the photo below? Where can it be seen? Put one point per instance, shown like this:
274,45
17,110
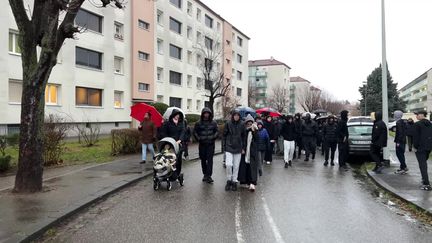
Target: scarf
248,144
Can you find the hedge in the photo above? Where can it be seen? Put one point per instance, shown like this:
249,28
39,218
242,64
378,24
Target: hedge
125,141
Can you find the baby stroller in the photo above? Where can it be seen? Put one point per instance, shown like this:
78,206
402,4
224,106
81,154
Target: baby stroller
164,168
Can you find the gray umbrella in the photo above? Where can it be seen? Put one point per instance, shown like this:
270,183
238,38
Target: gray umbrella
170,110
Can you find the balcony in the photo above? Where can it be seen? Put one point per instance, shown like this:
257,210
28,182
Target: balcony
261,84
260,74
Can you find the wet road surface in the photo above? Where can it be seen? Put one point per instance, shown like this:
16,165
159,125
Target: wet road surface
305,203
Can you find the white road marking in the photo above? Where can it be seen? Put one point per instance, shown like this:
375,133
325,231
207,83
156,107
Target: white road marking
273,225
239,231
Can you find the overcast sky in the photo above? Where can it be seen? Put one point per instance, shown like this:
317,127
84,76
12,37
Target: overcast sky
335,44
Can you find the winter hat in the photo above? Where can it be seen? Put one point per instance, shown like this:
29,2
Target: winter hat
249,118
398,115
344,115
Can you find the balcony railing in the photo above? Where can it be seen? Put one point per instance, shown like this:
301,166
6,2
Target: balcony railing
260,74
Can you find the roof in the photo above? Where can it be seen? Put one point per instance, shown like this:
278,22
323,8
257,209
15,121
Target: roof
298,79
415,81
266,62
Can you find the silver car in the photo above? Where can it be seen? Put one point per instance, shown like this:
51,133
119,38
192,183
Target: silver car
360,137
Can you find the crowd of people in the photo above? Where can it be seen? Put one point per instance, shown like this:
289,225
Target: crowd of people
248,143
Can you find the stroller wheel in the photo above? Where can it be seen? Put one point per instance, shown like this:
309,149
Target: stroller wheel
156,185
169,185
181,180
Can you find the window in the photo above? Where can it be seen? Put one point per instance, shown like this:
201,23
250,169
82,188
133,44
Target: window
198,15
118,99
189,8
143,87
189,104
118,65
175,25
13,42
198,105
88,58
175,51
208,43
208,21
15,91
239,75
189,32
239,91
89,20
198,36
143,56
118,27
239,41
239,58
189,81
177,3
198,59
160,98
228,61
143,25
51,94
159,74
88,96
232,71
176,102
160,17
199,83
160,46
189,57
175,78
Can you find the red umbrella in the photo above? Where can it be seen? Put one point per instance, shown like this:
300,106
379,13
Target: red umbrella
272,112
139,110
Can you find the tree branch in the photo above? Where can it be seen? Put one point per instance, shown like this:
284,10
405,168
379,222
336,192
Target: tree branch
20,14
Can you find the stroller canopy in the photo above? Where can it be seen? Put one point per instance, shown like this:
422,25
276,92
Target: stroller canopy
170,141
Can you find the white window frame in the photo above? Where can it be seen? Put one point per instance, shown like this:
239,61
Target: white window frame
14,42
143,24
47,88
189,81
144,57
145,85
159,17
118,35
121,93
19,82
160,48
121,60
159,74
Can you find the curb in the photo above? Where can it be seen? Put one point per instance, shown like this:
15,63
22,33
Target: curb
381,184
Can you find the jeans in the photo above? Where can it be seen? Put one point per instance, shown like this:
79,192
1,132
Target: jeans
260,159
400,153
289,150
422,158
329,146
144,150
232,166
206,152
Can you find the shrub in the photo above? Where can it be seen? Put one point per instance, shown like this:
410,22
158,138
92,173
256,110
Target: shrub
160,107
4,159
192,118
125,141
13,140
89,134
54,132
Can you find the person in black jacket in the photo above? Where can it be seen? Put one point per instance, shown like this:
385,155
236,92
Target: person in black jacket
342,136
410,133
400,142
174,128
298,122
330,140
248,172
289,134
271,129
379,141
206,132
309,134
423,145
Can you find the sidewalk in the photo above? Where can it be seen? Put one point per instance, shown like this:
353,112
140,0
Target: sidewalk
406,187
25,217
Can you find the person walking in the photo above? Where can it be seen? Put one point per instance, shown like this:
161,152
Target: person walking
186,141
147,136
206,133
330,140
289,134
400,142
174,128
410,133
379,141
342,136
298,122
248,172
423,145
271,129
309,135
233,136
263,143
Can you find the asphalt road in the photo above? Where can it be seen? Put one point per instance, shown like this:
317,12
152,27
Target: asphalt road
305,203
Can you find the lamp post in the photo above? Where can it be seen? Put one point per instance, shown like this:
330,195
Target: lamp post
365,97
384,76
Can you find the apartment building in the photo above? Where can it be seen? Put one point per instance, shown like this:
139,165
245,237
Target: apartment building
89,84
266,75
418,93
298,88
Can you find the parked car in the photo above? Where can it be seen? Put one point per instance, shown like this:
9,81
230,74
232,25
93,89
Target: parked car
360,119
360,137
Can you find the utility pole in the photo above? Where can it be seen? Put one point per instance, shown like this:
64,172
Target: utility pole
384,77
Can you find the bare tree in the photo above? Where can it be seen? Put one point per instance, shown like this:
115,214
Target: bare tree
215,83
251,95
229,102
310,99
278,98
40,27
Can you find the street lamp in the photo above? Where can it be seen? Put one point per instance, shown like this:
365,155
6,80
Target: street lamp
365,96
384,77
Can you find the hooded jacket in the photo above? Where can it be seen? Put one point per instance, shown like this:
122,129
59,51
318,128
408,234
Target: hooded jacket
342,128
410,129
289,130
298,125
271,129
206,131
309,128
234,135
172,130
401,128
148,131
263,138
379,131
422,139
329,132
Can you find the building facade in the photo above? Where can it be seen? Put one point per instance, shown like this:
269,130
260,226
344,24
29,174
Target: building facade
298,89
418,93
265,76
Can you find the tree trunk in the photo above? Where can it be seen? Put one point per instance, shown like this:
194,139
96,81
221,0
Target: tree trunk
211,104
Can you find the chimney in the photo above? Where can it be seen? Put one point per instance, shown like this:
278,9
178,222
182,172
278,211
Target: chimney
272,58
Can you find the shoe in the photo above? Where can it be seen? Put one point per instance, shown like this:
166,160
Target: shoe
402,171
313,156
252,187
307,159
286,164
205,178
234,186
268,162
210,180
290,163
426,187
143,162
326,163
332,163
228,186
260,172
